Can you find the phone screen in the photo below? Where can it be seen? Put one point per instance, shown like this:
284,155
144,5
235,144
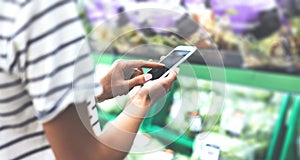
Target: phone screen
169,62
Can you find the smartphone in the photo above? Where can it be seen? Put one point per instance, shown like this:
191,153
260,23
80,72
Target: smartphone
172,60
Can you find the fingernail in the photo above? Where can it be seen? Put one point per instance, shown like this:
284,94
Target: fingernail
147,77
176,70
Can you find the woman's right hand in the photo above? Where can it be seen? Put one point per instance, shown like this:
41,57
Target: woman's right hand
154,90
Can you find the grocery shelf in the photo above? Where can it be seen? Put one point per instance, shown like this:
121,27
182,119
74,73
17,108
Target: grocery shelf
268,71
247,77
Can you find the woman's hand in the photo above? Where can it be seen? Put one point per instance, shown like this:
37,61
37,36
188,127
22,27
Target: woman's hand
154,90
123,76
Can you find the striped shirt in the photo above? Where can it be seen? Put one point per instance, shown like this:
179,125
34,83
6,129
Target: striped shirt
41,62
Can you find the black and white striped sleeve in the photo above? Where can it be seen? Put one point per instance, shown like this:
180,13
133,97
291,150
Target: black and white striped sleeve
48,52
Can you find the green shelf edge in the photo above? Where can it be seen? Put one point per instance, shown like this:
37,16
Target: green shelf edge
277,138
289,149
106,116
152,130
168,135
245,77
250,78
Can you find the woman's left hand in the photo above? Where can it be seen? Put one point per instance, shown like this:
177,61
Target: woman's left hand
123,76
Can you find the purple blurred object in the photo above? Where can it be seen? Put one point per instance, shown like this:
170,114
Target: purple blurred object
153,19
149,15
94,12
243,15
193,1
246,17
98,10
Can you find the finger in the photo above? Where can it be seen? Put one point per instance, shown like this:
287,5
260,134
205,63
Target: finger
162,57
137,72
140,64
139,80
141,70
152,64
176,70
171,76
167,81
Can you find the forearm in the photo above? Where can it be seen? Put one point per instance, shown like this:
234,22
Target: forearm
70,139
119,134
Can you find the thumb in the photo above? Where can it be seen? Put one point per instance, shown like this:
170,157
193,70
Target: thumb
139,80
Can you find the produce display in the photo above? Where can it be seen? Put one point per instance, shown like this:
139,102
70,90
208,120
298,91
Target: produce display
261,32
240,125
148,148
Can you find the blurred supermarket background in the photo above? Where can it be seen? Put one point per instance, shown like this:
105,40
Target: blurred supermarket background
255,44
